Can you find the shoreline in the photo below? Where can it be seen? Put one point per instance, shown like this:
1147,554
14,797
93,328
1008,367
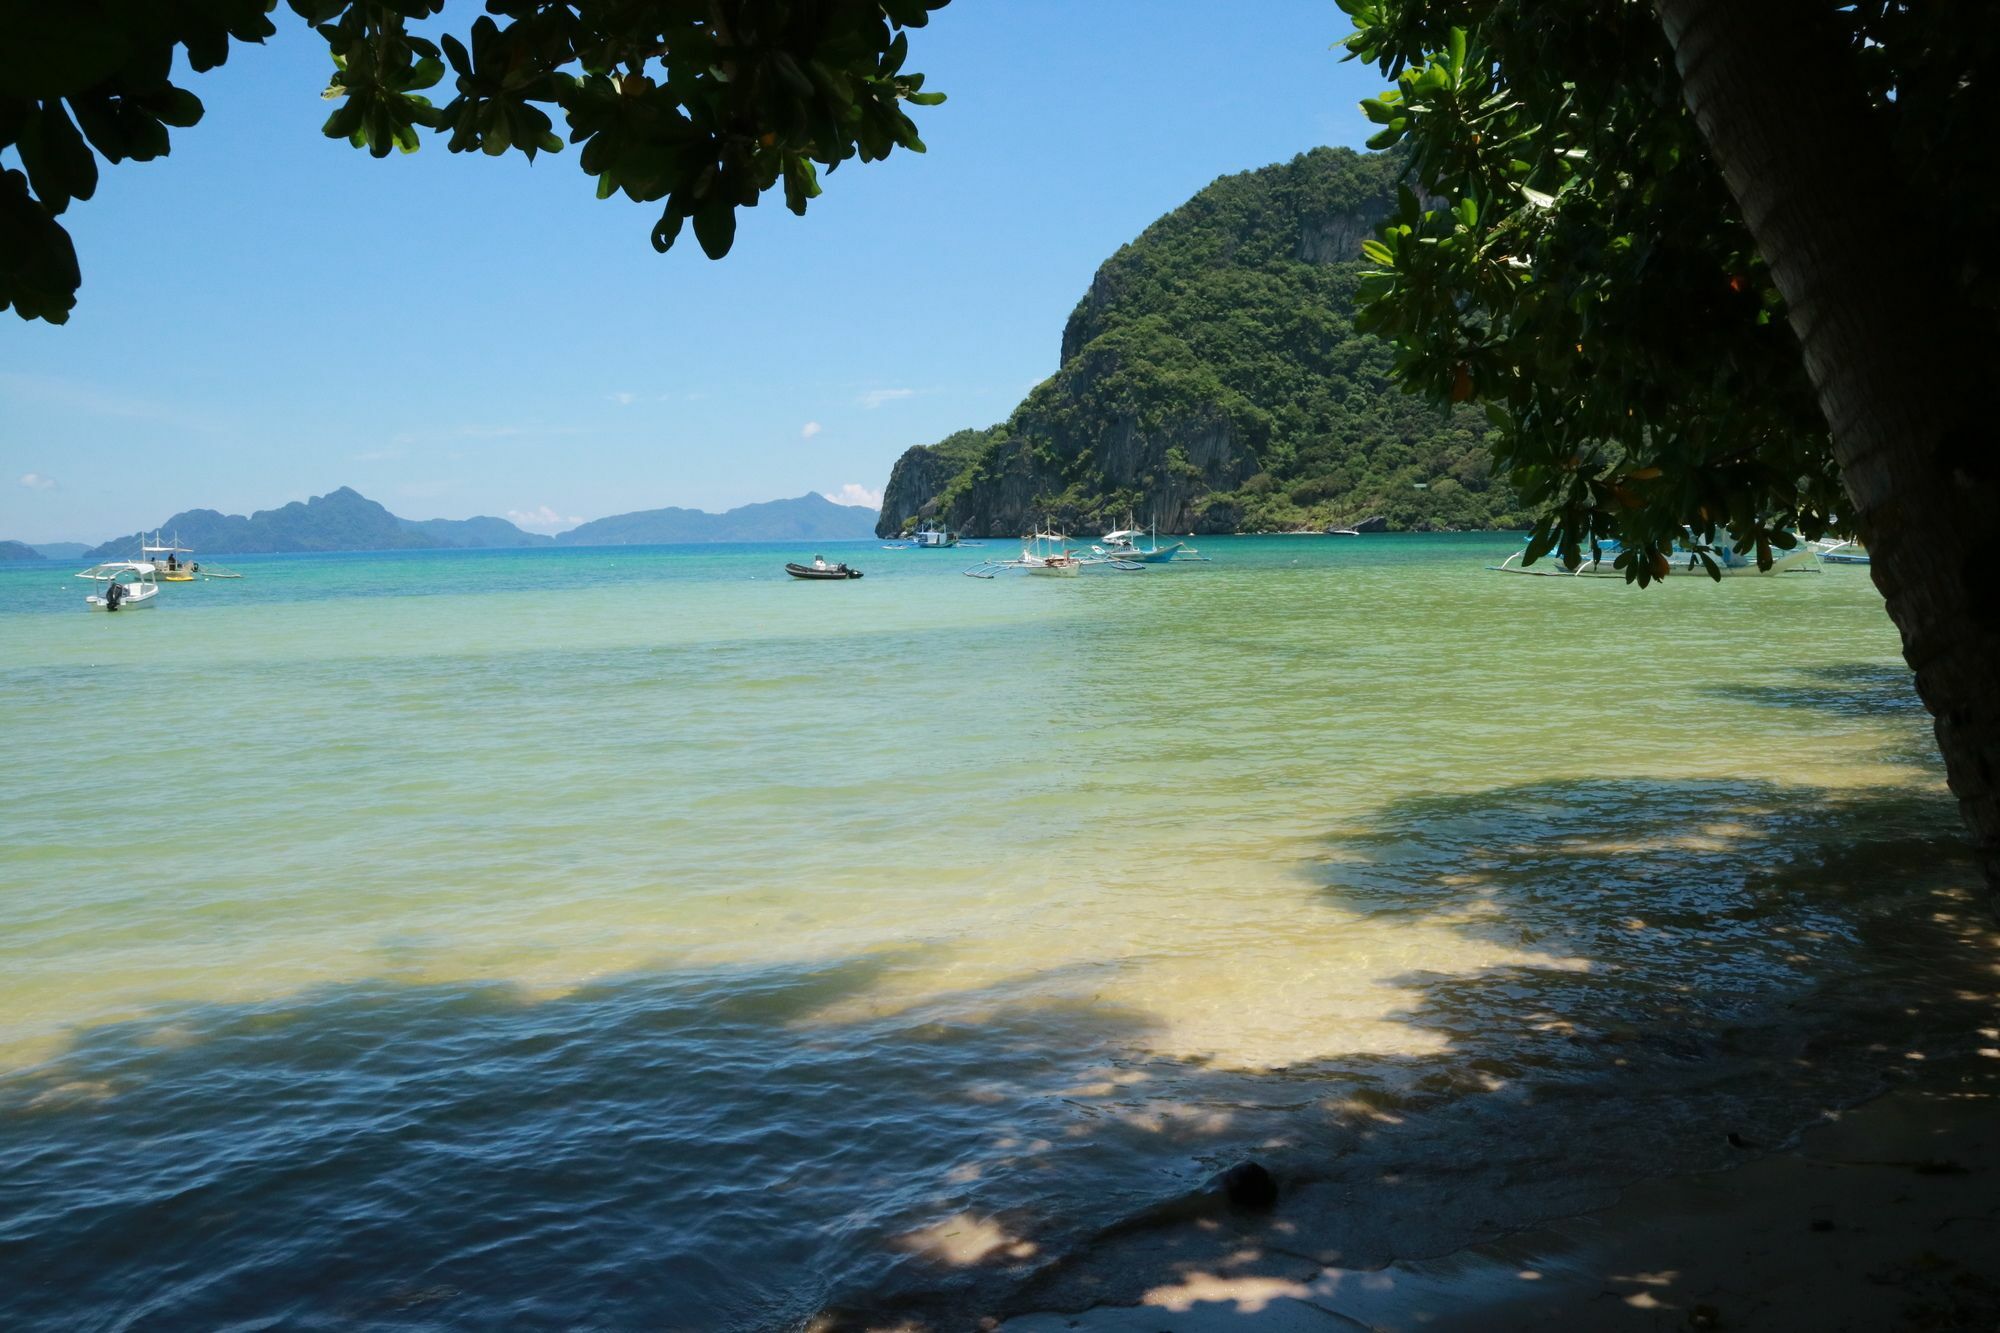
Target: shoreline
1883,1216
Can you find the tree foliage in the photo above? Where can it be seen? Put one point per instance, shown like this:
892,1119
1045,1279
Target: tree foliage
1571,259
701,106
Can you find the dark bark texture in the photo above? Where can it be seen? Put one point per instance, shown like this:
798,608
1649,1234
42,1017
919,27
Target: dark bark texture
1900,361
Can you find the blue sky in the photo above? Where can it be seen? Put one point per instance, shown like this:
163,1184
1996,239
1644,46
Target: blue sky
267,314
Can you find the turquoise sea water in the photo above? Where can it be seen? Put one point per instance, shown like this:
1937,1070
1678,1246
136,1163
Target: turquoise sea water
634,937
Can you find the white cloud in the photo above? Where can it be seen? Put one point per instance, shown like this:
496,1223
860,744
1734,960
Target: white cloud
541,519
854,493
877,397
35,481
624,399
810,429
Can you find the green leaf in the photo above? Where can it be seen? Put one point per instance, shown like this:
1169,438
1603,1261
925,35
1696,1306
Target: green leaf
60,165
715,228
667,229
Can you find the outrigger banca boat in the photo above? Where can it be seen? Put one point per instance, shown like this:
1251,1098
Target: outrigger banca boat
174,563
165,557
1047,555
1729,563
1833,551
1123,544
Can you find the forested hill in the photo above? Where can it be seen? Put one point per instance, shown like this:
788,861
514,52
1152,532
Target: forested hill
340,520
1212,381
346,520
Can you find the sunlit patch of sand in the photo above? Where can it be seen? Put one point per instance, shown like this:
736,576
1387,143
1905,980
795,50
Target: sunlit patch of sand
67,1096
1243,1295
963,1239
1221,981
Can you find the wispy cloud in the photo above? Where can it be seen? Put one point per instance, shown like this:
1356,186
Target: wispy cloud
541,519
877,397
624,399
854,493
810,429
35,481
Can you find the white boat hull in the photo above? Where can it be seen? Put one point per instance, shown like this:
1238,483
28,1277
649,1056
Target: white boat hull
136,599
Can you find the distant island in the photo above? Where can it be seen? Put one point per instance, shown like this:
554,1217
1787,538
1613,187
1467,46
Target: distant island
1212,380
346,520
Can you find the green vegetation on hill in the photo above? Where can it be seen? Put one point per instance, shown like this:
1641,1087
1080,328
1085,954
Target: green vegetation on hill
1212,380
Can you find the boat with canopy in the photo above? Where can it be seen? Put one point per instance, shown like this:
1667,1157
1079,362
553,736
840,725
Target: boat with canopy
129,585
1048,555
1123,544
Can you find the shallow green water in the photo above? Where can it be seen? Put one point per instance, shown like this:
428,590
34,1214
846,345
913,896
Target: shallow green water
640,936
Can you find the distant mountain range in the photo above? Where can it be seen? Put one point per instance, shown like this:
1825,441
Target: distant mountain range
810,517
346,520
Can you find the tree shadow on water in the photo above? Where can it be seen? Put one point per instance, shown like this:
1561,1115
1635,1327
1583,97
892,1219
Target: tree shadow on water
817,1145
688,1149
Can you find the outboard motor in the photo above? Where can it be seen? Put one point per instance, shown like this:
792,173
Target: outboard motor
114,593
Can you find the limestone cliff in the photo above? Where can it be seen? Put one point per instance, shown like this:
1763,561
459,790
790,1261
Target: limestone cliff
1212,381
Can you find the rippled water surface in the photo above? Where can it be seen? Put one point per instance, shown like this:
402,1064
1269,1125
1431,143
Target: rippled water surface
637,938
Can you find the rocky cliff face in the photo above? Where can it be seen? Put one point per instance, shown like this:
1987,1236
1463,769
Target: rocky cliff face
910,498
1212,379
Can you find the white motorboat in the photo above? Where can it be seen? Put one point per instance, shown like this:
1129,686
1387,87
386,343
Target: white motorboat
933,539
129,585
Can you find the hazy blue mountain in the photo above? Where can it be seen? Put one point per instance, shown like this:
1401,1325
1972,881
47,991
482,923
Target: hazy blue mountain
482,531
342,520
810,517
345,520
61,550
19,551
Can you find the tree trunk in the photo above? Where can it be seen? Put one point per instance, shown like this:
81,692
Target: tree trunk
1893,351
